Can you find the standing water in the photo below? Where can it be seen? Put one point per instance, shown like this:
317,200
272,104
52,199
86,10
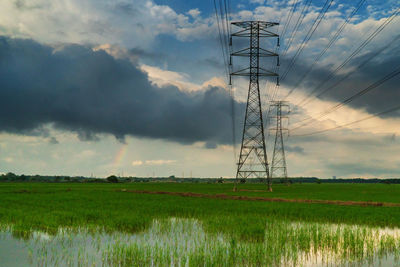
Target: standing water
183,242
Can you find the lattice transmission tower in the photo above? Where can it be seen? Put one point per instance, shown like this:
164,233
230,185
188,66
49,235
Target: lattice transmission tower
278,168
253,162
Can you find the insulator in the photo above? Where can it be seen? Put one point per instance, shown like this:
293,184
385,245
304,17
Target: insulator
230,60
278,63
230,41
277,81
279,43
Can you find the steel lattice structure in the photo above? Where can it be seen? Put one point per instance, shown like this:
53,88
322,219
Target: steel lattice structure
253,162
278,168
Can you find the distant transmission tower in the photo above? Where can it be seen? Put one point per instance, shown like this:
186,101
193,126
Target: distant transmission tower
253,161
278,168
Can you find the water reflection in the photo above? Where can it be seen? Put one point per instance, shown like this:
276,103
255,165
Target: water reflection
183,242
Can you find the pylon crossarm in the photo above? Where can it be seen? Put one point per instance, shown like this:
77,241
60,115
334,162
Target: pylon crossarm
249,23
247,52
239,33
265,33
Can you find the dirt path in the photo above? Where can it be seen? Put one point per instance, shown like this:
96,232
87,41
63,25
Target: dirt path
247,198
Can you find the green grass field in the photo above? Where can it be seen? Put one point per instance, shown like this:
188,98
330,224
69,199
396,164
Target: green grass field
48,207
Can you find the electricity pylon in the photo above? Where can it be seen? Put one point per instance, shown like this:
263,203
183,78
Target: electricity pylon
253,162
278,168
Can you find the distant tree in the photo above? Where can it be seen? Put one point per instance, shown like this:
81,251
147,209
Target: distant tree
11,176
23,178
220,180
242,181
112,179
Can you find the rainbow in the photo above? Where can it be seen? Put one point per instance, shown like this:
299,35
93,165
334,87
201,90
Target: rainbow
120,155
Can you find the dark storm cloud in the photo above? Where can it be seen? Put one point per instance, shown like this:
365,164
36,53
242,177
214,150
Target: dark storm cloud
377,100
91,93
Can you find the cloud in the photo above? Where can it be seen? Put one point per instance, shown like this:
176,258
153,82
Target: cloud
194,12
165,78
9,159
137,163
53,141
364,169
352,36
157,162
260,2
295,149
99,21
90,93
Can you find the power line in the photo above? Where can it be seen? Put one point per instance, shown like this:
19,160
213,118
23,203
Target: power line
225,57
288,20
276,68
353,122
299,22
230,85
355,96
308,36
306,39
351,73
374,55
353,54
223,24
334,38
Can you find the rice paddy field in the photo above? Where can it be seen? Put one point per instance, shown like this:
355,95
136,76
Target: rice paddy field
170,224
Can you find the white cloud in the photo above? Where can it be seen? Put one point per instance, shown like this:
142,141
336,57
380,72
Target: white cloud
257,1
9,159
157,162
195,13
120,22
117,52
163,78
342,116
137,163
87,154
98,22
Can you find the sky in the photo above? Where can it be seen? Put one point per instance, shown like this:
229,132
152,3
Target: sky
138,88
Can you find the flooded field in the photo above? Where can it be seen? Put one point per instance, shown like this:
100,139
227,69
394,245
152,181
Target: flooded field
185,242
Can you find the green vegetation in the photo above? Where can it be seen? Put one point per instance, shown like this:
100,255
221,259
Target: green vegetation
345,192
183,242
11,177
49,206
265,227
